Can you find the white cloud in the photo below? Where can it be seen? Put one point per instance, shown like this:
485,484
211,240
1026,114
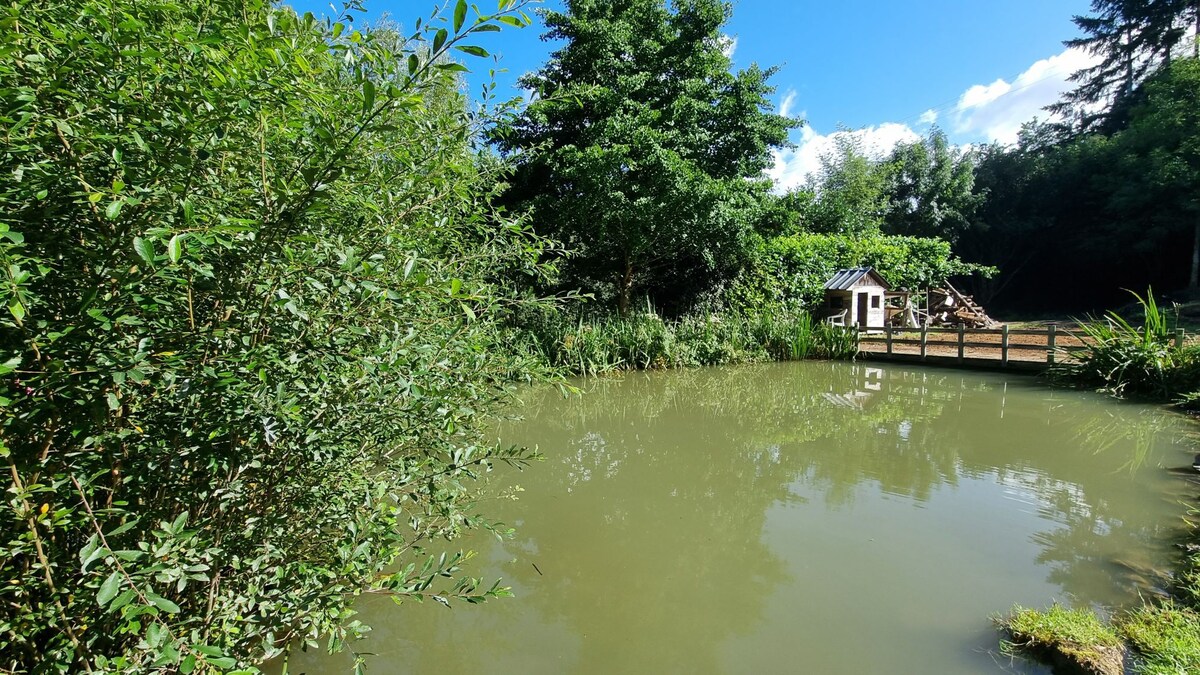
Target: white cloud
984,113
789,100
792,167
728,45
996,111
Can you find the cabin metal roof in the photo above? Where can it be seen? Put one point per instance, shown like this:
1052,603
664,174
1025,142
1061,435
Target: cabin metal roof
844,280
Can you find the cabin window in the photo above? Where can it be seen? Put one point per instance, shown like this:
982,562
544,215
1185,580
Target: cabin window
837,302
874,302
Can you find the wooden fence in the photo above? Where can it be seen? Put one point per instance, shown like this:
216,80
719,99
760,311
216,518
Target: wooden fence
1055,342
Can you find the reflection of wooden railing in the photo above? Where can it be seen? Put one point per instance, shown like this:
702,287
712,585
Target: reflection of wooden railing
1050,347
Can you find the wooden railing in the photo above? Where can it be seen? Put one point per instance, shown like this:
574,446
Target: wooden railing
1050,347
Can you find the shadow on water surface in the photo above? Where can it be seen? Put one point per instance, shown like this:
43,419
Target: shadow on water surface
805,517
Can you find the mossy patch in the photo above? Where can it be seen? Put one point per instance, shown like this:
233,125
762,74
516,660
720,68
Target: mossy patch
1073,639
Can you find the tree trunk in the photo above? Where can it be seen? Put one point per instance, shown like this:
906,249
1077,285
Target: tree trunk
1128,61
625,288
1194,279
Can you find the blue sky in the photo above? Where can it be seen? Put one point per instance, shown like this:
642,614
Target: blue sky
880,69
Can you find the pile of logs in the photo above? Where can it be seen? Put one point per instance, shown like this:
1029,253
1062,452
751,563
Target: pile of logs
949,307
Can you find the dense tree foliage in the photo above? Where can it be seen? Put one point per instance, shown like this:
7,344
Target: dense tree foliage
931,189
641,151
789,272
248,329
850,192
1097,212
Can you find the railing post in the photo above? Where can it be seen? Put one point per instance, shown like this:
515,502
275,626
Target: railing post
1178,338
887,330
1050,348
962,333
924,340
1004,345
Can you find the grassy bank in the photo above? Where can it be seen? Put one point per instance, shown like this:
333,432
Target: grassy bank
1141,362
591,345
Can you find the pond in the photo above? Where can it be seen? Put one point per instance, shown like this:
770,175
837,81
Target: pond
802,517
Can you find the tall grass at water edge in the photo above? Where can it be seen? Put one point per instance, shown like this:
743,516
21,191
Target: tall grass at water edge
645,341
1132,361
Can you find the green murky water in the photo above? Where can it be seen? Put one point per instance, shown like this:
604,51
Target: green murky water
801,518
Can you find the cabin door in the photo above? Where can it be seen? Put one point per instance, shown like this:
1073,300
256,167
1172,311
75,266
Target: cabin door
864,303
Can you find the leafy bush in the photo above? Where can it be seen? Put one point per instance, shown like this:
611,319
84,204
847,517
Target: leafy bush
791,271
249,331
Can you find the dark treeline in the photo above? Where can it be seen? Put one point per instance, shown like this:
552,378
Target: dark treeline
1107,195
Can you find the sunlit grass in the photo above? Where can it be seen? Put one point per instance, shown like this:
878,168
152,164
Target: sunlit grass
1167,637
1076,635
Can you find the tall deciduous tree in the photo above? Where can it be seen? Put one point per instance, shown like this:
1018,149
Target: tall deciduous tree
641,151
851,191
931,188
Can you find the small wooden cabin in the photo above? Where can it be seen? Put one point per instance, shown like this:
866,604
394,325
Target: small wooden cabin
855,297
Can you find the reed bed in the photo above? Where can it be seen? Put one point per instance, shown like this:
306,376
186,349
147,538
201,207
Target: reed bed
592,345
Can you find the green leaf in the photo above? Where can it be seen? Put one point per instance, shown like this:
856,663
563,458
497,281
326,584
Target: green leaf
460,15
472,50
16,309
163,603
144,249
511,20
108,590
189,213
368,91
188,665
439,39
413,64
114,209
92,557
123,599
175,247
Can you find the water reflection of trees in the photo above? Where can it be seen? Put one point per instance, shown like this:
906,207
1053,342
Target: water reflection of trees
651,507
757,433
